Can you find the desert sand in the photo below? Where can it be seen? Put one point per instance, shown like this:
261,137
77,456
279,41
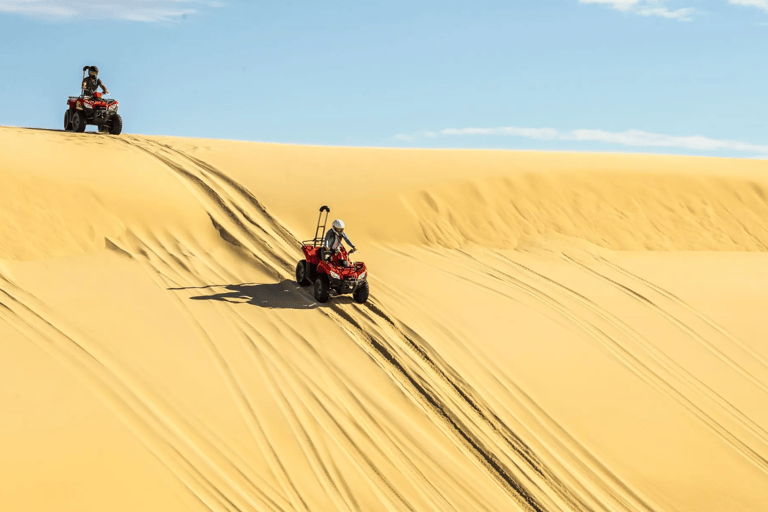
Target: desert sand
546,331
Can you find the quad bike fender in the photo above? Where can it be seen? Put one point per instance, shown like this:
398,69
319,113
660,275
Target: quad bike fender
330,275
311,254
324,268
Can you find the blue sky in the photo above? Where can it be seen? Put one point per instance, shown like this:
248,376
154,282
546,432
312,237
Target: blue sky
653,76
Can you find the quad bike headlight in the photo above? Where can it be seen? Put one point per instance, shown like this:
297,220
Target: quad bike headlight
113,107
335,275
362,276
87,105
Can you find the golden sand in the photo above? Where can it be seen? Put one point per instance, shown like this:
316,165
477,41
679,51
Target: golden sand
546,331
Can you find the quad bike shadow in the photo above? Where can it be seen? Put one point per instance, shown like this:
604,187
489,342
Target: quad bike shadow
283,295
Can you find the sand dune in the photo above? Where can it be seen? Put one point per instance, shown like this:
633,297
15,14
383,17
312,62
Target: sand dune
546,331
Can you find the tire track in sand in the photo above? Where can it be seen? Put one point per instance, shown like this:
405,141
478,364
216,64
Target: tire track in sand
326,410
560,452
634,362
318,366
236,226
709,321
358,455
245,222
206,473
725,358
656,358
609,483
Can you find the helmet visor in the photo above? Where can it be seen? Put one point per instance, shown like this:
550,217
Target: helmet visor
339,230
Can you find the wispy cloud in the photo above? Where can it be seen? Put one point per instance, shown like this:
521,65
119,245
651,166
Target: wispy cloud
760,4
650,8
132,10
531,133
685,14
633,138
621,5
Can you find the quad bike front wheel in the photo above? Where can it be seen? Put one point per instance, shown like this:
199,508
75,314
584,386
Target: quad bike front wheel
301,273
322,293
361,293
78,121
116,126
67,121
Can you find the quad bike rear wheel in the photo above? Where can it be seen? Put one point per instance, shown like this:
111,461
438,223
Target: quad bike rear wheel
67,121
116,126
361,293
322,293
78,121
301,273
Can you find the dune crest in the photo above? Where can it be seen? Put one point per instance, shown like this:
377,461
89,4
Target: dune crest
666,213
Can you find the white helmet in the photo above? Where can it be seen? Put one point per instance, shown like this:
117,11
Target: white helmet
338,226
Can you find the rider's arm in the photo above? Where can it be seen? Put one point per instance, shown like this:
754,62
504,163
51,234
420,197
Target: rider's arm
103,87
349,242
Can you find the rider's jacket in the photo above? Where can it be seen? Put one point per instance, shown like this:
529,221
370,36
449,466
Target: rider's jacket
90,84
332,240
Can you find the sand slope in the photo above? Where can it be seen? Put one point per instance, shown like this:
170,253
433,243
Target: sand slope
546,331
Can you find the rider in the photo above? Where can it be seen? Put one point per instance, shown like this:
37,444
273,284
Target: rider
93,82
333,238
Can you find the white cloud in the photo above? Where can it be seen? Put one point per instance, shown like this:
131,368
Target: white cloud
132,10
760,4
531,133
685,14
621,5
633,138
650,8
639,138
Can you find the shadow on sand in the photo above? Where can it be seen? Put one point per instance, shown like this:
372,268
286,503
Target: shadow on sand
283,295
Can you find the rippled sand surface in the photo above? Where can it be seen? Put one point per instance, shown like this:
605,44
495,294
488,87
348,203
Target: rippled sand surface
546,331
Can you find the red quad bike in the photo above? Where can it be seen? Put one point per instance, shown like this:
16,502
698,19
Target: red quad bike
334,274
94,110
